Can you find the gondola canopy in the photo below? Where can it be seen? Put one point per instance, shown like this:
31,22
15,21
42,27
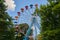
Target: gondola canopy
26,7
36,5
22,9
31,6
16,17
18,13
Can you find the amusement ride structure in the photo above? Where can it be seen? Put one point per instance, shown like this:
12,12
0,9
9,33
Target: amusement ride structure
33,22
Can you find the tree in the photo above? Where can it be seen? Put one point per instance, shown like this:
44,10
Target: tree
50,20
5,23
22,31
39,37
24,27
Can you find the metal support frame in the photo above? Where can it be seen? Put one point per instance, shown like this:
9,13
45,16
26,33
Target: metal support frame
34,21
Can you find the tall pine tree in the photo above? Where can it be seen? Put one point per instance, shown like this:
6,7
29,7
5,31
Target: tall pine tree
6,33
50,20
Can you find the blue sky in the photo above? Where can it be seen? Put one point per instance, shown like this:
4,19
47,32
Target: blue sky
25,17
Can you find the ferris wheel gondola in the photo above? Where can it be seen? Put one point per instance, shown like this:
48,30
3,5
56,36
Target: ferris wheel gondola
22,9
26,7
31,6
18,13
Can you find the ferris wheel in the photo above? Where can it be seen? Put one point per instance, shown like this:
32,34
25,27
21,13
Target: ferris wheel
33,21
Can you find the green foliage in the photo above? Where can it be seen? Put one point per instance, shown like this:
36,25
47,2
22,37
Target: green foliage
50,20
24,27
6,25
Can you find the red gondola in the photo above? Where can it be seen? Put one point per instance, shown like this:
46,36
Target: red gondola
26,7
36,5
22,9
16,17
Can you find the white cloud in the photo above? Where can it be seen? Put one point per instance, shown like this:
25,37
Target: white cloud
10,4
